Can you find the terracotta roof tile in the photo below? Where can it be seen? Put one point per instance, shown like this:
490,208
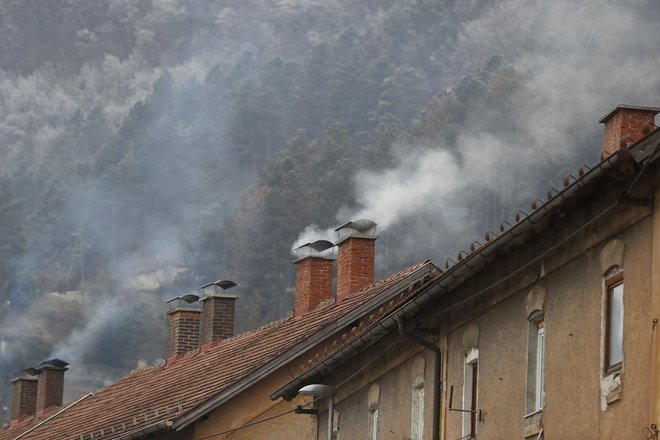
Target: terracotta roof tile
173,388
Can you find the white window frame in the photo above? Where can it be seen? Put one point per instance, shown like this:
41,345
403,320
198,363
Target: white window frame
470,387
373,424
535,366
417,409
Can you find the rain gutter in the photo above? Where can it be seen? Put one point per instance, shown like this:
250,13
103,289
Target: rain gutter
158,426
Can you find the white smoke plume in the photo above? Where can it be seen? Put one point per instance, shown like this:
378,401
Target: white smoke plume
577,60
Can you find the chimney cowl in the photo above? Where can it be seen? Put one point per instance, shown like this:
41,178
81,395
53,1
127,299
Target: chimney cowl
51,364
218,288
362,228
317,249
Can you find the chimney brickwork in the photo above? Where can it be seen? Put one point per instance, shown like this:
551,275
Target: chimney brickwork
24,397
217,317
355,264
625,123
184,325
50,387
313,283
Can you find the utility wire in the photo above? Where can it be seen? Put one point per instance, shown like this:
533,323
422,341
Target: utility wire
247,425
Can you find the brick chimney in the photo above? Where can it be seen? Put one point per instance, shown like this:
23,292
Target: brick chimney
313,276
218,309
625,124
50,382
24,397
184,324
356,256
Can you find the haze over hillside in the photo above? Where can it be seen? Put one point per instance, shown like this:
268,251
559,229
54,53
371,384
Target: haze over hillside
148,147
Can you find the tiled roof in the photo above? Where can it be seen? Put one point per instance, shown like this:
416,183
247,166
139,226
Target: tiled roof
172,389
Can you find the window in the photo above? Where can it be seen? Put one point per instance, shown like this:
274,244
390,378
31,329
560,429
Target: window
373,396
373,424
535,365
613,323
417,412
470,389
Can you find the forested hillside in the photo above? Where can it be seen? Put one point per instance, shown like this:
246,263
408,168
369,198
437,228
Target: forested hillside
151,146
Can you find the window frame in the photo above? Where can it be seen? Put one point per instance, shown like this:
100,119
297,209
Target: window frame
611,283
535,373
373,424
417,409
471,372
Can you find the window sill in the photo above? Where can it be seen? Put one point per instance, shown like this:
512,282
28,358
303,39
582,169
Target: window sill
533,413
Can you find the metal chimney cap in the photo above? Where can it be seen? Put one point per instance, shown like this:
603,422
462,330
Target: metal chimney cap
362,225
319,245
362,228
51,364
223,284
188,297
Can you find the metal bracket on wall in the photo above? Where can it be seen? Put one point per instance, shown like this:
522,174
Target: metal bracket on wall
481,415
300,410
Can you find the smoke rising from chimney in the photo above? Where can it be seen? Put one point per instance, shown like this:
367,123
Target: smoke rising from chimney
574,62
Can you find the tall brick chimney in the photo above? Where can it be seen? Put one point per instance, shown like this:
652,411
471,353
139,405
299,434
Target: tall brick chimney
24,397
356,256
625,124
218,309
313,276
183,325
50,382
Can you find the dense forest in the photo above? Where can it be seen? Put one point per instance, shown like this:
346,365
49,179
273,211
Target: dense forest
151,146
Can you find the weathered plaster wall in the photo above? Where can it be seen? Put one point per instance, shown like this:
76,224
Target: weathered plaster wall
254,404
393,373
573,354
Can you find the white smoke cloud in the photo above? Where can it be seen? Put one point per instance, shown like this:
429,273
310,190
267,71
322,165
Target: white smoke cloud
577,61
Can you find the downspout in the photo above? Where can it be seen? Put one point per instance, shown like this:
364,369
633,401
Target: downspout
437,372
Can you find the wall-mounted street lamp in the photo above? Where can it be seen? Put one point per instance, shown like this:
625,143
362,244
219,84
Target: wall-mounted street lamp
322,391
